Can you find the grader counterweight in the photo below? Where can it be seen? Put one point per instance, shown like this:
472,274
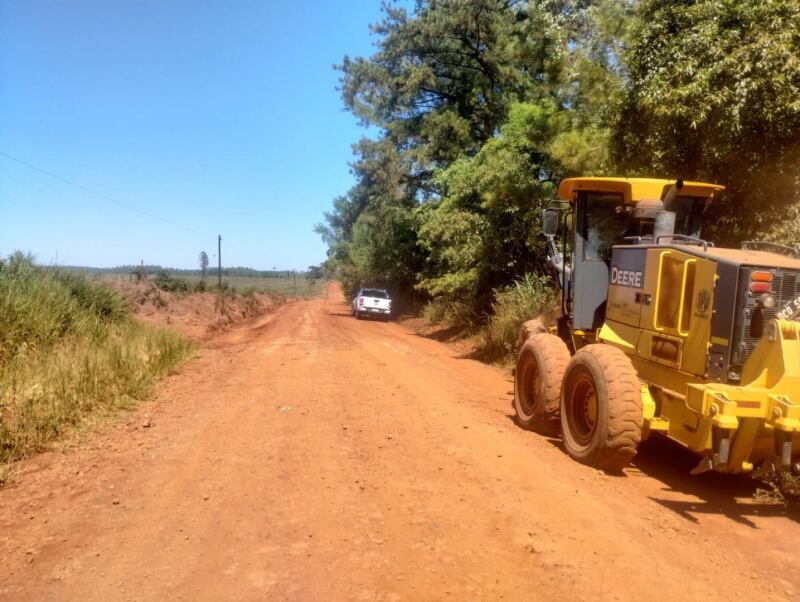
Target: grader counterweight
662,332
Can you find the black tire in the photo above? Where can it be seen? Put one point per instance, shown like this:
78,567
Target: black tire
601,408
541,363
357,315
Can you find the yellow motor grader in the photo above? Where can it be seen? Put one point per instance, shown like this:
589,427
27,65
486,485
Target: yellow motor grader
662,332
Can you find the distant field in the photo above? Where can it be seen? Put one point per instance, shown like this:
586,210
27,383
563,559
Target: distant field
261,284
303,288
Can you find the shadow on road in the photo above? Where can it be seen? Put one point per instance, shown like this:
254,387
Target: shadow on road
732,496
729,495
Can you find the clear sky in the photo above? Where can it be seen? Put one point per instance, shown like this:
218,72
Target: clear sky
220,116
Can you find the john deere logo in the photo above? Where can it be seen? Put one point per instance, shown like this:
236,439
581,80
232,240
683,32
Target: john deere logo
703,301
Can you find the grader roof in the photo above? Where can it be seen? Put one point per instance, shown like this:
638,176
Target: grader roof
634,190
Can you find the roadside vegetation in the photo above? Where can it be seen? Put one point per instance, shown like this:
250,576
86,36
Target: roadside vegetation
481,108
69,349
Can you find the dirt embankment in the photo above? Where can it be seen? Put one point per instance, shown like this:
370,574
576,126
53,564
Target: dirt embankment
196,315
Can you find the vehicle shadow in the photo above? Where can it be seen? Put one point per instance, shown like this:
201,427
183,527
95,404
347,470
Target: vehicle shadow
711,493
730,495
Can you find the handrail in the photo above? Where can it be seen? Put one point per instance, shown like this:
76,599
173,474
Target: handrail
683,297
656,303
777,247
689,239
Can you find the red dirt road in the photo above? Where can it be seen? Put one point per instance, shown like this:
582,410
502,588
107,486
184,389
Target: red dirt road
310,456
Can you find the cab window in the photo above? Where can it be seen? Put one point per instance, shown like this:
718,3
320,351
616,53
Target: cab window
605,222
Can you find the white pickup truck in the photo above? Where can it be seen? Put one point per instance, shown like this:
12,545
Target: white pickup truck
372,302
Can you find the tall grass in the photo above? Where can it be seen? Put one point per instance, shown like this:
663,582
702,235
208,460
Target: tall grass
524,300
68,348
496,338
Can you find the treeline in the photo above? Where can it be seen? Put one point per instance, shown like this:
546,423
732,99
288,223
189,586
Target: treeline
234,272
483,106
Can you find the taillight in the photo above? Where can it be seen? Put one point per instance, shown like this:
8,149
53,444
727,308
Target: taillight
760,282
361,301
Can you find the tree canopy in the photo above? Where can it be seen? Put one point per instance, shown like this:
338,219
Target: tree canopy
482,106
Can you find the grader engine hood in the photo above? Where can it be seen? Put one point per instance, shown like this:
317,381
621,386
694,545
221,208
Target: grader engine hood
704,329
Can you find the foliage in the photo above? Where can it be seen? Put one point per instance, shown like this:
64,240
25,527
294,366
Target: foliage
37,308
480,108
315,272
780,487
527,298
482,235
68,348
203,259
172,284
714,93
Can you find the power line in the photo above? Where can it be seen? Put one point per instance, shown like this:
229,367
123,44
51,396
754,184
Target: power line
100,195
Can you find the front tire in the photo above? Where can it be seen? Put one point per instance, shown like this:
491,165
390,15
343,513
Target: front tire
541,362
601,408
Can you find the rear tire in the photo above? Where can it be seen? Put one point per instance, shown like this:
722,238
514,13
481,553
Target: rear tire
541,362
357,315
601,407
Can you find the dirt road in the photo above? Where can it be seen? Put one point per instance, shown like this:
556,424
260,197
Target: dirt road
310,456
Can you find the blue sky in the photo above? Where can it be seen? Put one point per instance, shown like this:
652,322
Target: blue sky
221,117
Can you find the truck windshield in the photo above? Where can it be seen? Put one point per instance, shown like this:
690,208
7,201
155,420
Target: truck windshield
374,292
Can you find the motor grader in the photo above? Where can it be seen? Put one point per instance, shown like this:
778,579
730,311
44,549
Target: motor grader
663,332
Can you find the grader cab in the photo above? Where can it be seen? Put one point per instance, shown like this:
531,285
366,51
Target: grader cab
662,332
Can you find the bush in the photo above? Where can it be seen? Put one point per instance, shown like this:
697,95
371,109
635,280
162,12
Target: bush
526,299
171,284
200,287
435,311
446,310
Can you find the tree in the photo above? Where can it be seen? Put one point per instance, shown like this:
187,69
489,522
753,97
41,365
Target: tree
203,262
480,107
482,236
713,93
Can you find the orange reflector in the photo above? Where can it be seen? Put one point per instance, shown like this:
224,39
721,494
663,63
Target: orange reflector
761,276
760,287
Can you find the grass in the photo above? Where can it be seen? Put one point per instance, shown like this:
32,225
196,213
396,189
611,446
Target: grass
526,299
69,349
496,338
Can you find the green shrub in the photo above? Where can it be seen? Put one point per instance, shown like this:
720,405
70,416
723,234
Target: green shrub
524,300
435,311
200,286
444,310
171,284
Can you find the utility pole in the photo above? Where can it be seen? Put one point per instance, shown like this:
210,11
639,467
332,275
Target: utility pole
294,281
219,260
